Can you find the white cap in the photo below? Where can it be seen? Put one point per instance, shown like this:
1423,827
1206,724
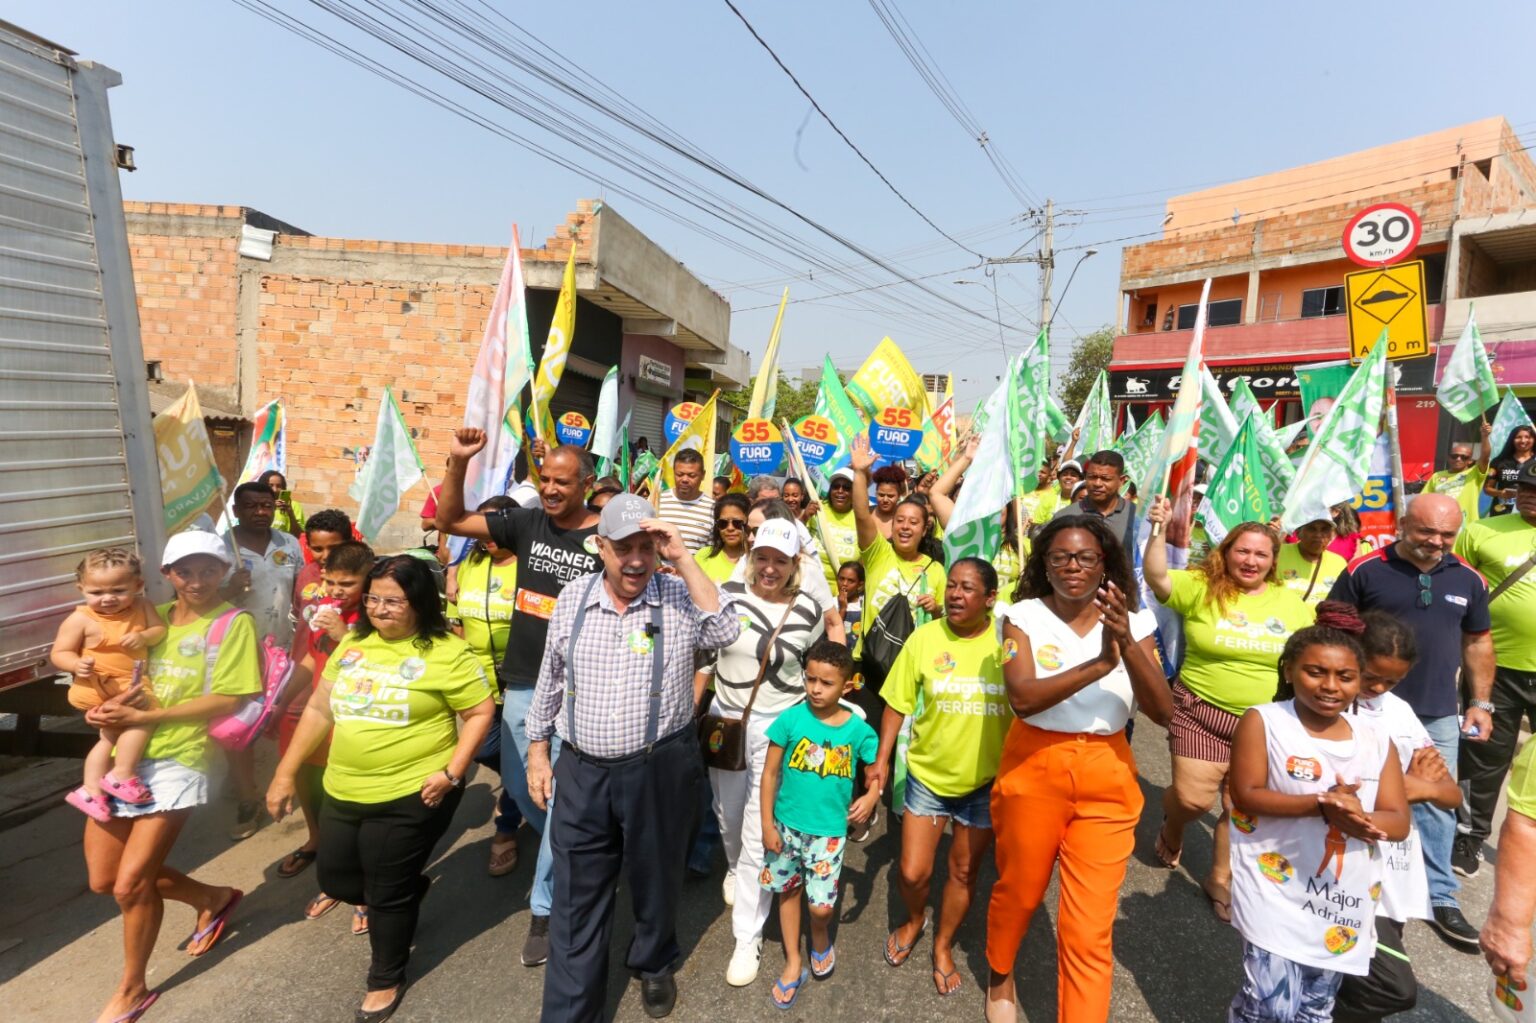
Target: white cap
779,534
194,541
844,473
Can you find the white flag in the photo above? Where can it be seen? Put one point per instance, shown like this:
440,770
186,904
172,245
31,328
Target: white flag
393,467
975,526
1339,458
605,430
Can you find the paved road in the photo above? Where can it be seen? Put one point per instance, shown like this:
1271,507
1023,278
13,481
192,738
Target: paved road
59,944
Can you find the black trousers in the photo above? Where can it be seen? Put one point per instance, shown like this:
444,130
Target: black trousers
1390,986
634,815
1481,766
373,854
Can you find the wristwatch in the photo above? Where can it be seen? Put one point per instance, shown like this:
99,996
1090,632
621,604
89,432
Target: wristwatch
1482,705
456,782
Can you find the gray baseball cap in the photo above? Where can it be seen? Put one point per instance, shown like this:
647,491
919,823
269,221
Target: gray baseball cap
622,515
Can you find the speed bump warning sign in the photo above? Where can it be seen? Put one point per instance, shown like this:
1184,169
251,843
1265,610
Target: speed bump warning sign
1390,297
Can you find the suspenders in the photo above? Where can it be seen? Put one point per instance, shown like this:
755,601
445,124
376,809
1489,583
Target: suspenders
653,712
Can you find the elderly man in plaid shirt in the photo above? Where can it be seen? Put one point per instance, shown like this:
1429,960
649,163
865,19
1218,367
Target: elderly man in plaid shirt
617,686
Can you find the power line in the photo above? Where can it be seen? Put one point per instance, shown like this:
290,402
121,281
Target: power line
842,135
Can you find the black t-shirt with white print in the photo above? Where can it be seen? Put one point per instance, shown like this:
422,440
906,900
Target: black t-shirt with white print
547,558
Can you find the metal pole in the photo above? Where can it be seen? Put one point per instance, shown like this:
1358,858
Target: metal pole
1394,444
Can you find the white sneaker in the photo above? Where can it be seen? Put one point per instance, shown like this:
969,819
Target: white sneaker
743,968
728,892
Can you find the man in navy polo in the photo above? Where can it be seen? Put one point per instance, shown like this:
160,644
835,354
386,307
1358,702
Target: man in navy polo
1445,602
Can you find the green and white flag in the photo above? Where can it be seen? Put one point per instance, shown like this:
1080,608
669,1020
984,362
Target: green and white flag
1467,389
1338,461
975,527
1510,415
1279,473
393,467
1237,492
1139,448
605,427
832,402
1029,415
1218,424
608,466
1058,427
1095,424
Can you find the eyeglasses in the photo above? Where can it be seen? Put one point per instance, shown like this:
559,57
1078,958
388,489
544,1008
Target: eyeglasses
388,603
1084,559
730,523
1426,590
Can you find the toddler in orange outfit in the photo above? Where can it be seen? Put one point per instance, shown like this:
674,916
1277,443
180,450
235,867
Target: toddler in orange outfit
102,645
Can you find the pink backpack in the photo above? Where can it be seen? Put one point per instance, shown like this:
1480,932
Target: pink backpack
240,729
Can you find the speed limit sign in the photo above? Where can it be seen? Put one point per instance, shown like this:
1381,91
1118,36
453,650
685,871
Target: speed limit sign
1382,234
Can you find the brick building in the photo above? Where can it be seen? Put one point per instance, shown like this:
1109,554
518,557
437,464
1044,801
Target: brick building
1272,247
252,309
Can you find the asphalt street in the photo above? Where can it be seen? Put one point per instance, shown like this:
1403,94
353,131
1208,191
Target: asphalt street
60,944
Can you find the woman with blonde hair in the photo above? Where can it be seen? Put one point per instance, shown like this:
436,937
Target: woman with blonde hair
1237,617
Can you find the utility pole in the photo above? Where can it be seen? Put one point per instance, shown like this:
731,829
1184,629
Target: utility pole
1047,261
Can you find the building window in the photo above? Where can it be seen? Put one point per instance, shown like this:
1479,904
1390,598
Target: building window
1322,302
1217,314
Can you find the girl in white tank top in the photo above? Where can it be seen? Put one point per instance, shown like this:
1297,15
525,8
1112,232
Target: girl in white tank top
1314,791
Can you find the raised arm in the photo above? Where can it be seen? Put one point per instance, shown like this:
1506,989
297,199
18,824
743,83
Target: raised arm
944,486
451,517
1483,454
1154,562
862,458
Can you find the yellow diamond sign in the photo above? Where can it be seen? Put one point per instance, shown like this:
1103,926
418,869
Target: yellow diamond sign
1390,297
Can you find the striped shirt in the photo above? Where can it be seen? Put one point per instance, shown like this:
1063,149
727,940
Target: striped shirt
613,664
694,519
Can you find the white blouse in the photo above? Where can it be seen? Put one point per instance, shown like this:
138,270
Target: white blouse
1102,708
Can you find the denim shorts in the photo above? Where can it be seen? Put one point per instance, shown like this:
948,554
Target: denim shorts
174,785
974,809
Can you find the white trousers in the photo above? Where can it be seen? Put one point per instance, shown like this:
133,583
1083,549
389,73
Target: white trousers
739,809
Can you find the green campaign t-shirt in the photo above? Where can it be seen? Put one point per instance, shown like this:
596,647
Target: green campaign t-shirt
1465,486
1522,781
1231,657
957,739
1296,573
816,783
487,597
842,534
886,574
176,668
1496,547
394,706
717,567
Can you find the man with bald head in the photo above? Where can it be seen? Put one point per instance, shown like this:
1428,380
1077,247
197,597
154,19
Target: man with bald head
1445,602
554,544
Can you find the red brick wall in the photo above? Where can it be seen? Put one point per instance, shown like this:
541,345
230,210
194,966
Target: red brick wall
187,290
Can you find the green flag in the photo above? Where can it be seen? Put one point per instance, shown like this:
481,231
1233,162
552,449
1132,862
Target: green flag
1237,492
1279,472
1218,424
1029,419
1139,447
1095,424
393,467
1510,415
1467,389
975,526
1339,458
832,402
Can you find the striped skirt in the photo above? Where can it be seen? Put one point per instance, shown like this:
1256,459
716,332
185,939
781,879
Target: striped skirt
1199,730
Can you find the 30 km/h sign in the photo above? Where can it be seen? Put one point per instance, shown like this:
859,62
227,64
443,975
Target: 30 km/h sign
1390,297
1382,234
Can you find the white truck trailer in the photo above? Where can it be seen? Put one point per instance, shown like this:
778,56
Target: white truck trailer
77,454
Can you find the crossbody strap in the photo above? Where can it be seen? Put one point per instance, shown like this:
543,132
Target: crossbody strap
1513,577
1315,570
762,664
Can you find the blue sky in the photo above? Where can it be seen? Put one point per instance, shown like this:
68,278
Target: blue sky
1103,107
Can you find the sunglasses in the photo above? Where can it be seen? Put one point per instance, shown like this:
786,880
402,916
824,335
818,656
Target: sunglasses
730,523
1426,590
1461,456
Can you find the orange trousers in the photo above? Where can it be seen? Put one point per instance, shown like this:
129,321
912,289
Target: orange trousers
1072,799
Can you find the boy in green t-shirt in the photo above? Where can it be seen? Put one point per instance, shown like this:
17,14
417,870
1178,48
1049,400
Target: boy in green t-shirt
813,749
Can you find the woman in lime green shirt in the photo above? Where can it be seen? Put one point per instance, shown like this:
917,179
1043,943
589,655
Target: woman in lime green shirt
1237,617
727,538
398,759
949,678
125,856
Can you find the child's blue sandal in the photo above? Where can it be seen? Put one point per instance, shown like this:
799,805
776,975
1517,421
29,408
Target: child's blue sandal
823,963
793,990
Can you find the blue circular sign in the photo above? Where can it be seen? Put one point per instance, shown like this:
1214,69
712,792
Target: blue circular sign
678,419
816,438
573,428
757,447
896,434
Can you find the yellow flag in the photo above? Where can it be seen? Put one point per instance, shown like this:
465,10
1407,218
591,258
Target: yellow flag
698,435
552,364
765,390
887,380
189,478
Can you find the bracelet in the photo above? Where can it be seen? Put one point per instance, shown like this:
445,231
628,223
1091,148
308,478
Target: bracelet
1482,705
458,782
